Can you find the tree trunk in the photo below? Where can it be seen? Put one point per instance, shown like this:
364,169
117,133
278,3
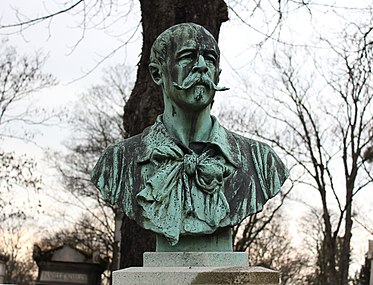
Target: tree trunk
146,101
330,247
346,246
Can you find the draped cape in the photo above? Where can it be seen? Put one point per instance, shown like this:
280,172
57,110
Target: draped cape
172,189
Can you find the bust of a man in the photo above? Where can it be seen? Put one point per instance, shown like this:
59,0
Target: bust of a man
186,174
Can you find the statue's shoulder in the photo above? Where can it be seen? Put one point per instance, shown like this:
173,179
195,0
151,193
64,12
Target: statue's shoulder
248,144
116,157
110,174
124,146
260,155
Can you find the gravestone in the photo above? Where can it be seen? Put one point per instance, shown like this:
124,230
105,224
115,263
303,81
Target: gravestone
66,265
186,177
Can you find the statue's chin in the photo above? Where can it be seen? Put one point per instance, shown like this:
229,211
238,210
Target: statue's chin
195,98
199,92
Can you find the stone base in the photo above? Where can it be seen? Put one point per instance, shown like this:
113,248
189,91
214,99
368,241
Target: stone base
203,268
244,275
195,259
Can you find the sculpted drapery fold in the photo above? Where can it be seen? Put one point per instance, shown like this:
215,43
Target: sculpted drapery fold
183,191
174,189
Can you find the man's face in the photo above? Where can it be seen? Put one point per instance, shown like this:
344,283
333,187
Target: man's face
190,56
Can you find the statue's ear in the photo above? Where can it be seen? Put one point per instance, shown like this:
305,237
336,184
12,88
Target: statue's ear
156,73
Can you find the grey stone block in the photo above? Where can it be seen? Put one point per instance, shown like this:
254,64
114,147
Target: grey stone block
196,259
244,275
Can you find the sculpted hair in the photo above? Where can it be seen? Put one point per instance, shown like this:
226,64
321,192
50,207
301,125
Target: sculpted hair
161,44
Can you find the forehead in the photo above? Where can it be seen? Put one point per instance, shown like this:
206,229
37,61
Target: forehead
189,38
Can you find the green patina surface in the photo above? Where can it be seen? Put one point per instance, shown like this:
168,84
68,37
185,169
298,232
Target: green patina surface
220,241
187,176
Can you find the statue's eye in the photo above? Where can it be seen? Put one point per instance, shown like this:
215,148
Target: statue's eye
186,57
210,58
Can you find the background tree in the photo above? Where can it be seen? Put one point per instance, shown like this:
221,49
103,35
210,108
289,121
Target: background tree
97,123
315,147
17,176
270,245
20,77
363,276
20,268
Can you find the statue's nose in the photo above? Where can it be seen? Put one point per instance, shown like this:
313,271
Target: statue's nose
200,65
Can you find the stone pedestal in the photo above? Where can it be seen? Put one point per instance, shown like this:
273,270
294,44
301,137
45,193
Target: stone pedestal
195,275
184,268
195,259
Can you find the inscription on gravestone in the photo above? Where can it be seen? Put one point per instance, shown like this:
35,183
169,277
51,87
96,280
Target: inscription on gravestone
76,278
67,265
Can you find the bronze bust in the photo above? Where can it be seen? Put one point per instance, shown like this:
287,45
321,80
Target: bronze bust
186,174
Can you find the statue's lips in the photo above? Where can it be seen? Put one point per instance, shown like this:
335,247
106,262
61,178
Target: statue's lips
199,90
200,85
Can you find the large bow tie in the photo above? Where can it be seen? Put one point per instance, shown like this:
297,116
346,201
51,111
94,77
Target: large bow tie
184,188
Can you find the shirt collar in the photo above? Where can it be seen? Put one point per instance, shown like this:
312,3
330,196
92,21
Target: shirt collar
157,135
